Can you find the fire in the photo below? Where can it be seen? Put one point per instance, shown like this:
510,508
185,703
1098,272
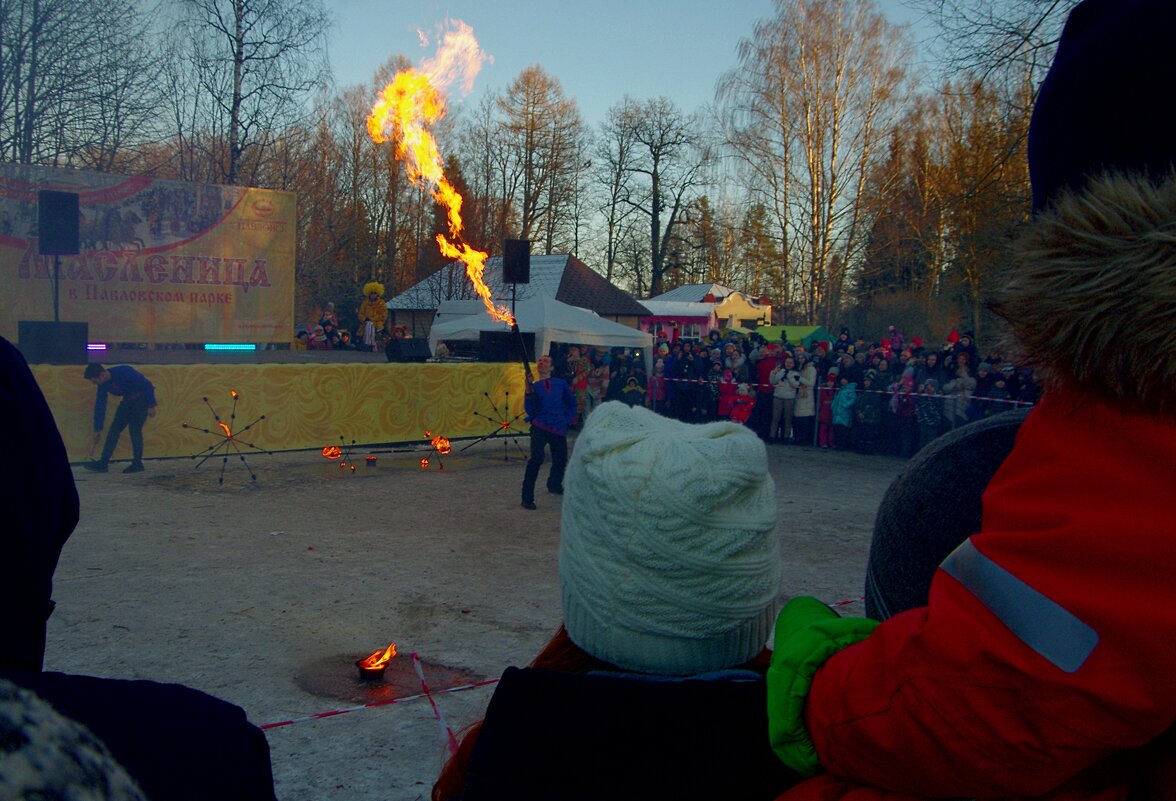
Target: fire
406,112
233,394
332,452
425,463
378,658
225,428
441,445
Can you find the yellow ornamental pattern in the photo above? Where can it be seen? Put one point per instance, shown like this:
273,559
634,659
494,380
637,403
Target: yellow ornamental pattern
305,405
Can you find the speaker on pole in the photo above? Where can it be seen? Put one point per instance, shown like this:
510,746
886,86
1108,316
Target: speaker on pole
58,221
516,261
43,342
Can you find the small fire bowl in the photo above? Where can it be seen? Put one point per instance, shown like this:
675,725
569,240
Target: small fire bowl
371,673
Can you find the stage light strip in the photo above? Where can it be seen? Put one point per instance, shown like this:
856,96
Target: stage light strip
228,346
95,346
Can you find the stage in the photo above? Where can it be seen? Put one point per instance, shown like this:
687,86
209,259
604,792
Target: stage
309,400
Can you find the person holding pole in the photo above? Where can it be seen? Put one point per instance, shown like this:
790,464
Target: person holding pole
550,408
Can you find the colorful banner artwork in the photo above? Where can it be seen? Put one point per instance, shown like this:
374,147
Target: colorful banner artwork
159,261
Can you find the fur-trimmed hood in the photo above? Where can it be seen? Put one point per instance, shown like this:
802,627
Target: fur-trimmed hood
1091,297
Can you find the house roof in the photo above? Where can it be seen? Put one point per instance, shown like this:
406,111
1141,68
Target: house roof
560,276
679,309
694,293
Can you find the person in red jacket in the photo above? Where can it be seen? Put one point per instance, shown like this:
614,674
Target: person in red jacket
1040,666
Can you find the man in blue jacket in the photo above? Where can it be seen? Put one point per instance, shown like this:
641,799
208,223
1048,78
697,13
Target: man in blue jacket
138,403
550,408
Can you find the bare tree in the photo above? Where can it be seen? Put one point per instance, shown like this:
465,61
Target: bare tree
252,62
614,158
542,135
818,88
996,40
78,81
667,161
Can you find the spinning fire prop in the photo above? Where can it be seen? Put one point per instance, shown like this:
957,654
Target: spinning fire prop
372,667
504,426
230,440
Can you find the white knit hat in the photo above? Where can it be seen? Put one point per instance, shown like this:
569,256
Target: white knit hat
669,559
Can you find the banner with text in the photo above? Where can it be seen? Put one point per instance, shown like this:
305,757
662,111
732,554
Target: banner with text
159,262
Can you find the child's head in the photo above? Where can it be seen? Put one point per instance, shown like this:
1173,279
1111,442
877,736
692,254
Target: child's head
663,580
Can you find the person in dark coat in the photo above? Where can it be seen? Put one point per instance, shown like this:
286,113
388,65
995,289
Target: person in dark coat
216,752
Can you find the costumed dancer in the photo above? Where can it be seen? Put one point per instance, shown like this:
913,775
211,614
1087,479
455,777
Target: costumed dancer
373,313
550,409
138,403
1040,665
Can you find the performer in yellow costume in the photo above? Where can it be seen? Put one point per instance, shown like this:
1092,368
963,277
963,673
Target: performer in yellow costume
373,312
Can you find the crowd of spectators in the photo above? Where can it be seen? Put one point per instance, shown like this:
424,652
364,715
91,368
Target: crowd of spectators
893,395
329,334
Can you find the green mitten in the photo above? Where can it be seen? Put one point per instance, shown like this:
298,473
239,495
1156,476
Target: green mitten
808,632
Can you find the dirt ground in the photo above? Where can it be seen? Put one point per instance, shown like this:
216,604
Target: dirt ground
265,592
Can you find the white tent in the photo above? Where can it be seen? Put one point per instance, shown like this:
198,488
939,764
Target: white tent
547,318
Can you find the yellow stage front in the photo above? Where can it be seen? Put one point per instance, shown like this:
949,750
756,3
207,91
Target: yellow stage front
305,405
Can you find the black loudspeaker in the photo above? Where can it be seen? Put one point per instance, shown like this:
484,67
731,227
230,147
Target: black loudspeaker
505,346
57,223
407,350
52,343
516,261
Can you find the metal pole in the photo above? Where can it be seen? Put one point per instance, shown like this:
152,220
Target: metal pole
56,290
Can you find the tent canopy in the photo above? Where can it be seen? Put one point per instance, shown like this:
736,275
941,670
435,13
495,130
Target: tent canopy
547,318
797,334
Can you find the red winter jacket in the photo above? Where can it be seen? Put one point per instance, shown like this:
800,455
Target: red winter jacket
1046,656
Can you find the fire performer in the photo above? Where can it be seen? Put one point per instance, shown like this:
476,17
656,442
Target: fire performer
1039,665
138,403
373,313
550,408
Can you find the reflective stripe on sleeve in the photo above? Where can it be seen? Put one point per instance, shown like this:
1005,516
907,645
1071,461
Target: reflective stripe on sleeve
1039,622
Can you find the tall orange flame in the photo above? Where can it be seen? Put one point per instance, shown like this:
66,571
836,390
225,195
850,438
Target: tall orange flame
407,110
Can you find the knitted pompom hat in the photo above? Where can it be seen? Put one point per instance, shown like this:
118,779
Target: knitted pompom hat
669,559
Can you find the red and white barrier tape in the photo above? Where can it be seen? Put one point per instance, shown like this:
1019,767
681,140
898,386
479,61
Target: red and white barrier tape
373,704
446,731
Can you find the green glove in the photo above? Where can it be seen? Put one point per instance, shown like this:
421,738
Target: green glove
807,633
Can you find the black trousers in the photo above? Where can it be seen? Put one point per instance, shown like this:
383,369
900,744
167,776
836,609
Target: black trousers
131,413
559,462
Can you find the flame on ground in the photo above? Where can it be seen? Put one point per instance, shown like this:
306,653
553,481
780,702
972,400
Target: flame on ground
378,659
332,452
407,110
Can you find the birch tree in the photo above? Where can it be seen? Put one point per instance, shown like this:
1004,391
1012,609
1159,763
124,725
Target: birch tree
253,63
817,89
78,81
